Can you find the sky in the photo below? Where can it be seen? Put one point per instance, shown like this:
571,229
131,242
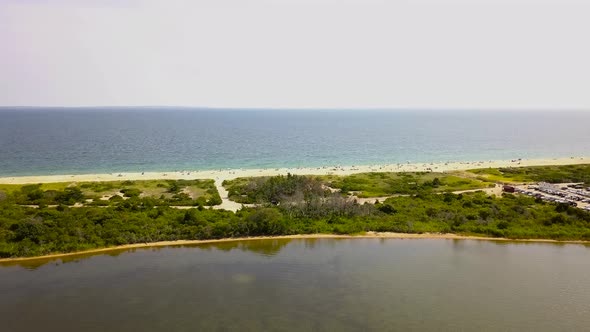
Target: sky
485,54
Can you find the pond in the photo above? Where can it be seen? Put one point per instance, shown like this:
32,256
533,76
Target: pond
305,285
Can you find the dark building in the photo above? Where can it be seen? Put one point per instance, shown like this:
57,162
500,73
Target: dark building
508,189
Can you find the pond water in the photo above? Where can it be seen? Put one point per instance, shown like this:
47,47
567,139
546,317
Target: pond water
305,285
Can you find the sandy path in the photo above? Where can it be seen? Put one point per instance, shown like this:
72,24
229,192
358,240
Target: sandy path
226,203
497,190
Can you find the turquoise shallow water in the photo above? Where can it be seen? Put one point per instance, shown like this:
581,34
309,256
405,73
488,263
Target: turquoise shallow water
306,285
88,140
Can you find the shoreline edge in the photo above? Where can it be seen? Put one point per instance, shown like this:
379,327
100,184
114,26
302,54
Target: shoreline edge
367,235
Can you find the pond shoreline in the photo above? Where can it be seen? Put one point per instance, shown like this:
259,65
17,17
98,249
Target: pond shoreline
367,235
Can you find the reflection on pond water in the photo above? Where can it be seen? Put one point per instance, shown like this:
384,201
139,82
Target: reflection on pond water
305,284
265,247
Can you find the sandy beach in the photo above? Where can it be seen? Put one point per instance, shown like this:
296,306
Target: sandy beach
228,174
368,235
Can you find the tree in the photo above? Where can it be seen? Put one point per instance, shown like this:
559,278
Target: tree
266,221
436,183
386,208
32,229
174,187
192,217
131,192
35,195
70,196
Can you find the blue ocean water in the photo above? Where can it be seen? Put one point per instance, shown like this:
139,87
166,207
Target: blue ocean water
87,140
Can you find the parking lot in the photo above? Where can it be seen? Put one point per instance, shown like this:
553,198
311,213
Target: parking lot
574,194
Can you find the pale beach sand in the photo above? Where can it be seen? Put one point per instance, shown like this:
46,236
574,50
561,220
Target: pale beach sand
228,174
368,235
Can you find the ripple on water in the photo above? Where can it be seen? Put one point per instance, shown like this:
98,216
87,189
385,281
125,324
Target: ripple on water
319,284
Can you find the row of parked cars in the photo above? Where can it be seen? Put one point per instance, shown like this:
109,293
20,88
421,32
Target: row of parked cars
571,194
561,199
564,194
577,190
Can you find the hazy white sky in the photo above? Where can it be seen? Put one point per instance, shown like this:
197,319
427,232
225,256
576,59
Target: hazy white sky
296,53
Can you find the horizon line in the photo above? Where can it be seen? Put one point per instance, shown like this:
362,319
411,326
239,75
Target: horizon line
397,109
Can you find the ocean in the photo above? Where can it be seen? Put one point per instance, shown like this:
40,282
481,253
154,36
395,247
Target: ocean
46,141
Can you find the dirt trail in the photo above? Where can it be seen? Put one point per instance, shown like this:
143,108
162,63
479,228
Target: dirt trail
226,203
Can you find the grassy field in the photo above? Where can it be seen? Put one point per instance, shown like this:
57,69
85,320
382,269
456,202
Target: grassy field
552,174
10,188
171,192
238,188
366,185
148,188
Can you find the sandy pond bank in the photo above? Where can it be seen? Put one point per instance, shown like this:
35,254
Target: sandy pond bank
368,235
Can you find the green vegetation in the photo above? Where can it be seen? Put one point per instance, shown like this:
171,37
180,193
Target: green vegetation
162,192
363,185
26,231
140,211
275,189
510,216
32,194
390,183
289,205
551,174
10,188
